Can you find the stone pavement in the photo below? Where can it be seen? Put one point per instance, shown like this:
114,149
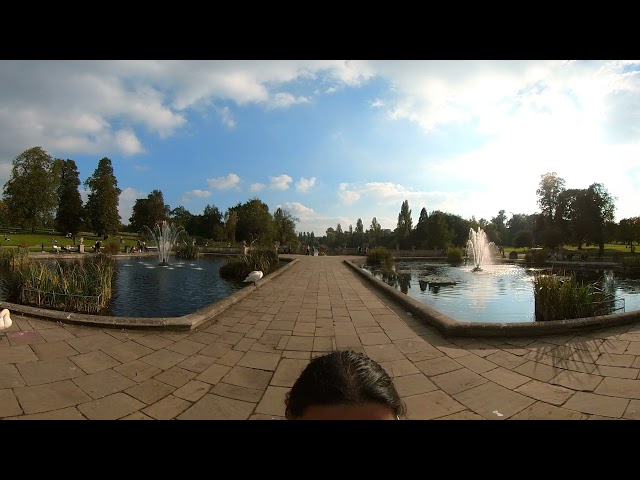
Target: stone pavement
240,364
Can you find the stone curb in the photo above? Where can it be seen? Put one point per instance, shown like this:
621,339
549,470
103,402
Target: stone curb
453,328
186,322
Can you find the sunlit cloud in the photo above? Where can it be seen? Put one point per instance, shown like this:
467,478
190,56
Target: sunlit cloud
223,183
256,187
187,196
281,182
305,184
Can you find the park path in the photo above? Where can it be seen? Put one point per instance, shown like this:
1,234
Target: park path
240,364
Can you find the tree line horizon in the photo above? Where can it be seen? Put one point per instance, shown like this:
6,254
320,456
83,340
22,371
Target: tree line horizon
43,192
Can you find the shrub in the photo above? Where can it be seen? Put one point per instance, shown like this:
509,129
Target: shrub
266,260
631,265
560,297
454,255
380,256
188,249
537,258
513,255
112,248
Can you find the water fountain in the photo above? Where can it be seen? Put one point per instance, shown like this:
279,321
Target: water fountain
166,236
481,249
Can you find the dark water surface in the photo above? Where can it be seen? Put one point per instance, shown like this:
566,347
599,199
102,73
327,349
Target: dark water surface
144,288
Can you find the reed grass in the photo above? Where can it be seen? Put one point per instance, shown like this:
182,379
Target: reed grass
265,260
83,286
380,256
560,297
187,249
14,256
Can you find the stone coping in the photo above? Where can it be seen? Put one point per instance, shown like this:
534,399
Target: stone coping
451,327
184,323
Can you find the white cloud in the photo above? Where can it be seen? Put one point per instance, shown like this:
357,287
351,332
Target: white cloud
284,100
194,193
223,183
226,116
311,221
256,187
281,182
377,103
305,184
348,197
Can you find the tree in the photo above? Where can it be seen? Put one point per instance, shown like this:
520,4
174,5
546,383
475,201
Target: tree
440,235
375,231
284,226
420,232
180,216
551,186
404,226
103,200
255,221
4,213
602,210
70,213
31,194
149,211
523,239
230,224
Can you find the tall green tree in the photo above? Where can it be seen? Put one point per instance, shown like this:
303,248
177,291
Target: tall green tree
420,232
103,200
549,189
255,223
180,216
31,194
284,226
375,232
440,235
149,211
404,226
70,212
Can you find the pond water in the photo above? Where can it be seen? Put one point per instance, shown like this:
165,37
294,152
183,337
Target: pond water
499,293
143,288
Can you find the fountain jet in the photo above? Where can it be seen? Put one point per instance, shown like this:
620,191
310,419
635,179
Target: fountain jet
480,249
166,236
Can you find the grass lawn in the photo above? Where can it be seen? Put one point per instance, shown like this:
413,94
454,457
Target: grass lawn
592,251
35,241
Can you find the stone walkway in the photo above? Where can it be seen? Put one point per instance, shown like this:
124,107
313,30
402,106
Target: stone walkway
241,364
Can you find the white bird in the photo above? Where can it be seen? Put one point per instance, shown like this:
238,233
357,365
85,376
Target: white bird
254,276
5,319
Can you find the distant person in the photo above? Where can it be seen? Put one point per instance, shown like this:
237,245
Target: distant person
308,250
344,385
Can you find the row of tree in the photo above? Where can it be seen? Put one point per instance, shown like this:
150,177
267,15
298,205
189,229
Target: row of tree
43,192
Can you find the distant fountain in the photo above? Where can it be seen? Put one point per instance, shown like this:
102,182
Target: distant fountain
480,249
166,236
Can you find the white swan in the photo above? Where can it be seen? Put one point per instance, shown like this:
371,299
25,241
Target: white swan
5,319
254,276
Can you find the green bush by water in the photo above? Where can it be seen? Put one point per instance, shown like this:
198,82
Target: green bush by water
188,249
381,256
560,297
537,258
265,260
454,255
81,286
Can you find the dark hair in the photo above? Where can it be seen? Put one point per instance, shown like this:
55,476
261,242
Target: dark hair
343,378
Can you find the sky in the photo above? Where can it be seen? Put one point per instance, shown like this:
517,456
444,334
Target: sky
331,141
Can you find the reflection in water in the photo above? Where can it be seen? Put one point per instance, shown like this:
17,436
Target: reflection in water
498,293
